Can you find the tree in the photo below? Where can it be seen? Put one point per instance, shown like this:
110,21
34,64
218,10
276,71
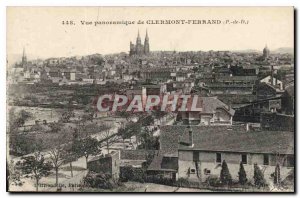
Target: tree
242,175
277,175
14,174
149,120
57,159
108,138
55,127
129,130
17,120
23,117
35,167
259,180
70,155
148,141
159,114
67,115
225,175
124,114
86,147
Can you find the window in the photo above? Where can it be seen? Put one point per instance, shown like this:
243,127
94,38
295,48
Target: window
290,161
206,171
193,171
266,159
244,159
218,158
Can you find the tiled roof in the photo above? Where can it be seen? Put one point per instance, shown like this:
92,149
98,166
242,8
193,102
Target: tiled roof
136,154
290,90
226,139
237,78
210,104
229,139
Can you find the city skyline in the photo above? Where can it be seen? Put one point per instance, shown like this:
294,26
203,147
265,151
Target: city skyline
52,39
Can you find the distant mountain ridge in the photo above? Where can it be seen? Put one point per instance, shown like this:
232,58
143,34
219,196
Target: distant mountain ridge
281,50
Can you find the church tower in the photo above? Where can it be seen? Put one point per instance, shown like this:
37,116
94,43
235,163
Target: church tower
139,48
266,52
146,44
24,58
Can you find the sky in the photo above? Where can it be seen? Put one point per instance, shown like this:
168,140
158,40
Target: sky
40,29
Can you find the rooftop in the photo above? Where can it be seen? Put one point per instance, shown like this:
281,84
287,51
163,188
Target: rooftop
225,139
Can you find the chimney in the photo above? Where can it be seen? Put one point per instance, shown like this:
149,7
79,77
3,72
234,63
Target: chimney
191,142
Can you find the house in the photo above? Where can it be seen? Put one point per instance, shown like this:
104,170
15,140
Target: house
186,85
108,164
155,89
277,122
241,85
213,112
201,153
196,152
272,81
288,100
250,112
161,74
265,91
244,70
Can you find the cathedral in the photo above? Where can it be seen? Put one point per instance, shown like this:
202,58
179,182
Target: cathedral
139,48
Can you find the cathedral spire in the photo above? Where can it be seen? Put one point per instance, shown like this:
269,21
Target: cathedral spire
138,36
146,35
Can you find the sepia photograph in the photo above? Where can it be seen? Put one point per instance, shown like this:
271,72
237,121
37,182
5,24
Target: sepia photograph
150,99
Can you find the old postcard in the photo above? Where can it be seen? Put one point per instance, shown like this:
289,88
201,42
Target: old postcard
150,99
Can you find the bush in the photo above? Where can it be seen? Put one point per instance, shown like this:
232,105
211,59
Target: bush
182,182
99,180
242,175
277,175
225,175
258,177
133,174
213,181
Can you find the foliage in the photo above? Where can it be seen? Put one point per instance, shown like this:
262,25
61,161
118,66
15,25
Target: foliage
183,182
258,177
70,155
17,119
67,115
99,180
86,147
22,144
148,141
128,173
57,153
14,175
149,159
213,181
149,120
35,166
277,175
129,130
242,175
55,127
225,175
